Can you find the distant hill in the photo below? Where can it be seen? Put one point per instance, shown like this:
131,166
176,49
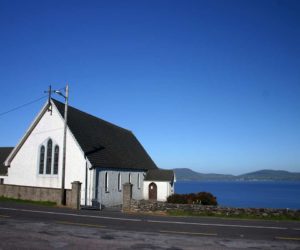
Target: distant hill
276,175
186,174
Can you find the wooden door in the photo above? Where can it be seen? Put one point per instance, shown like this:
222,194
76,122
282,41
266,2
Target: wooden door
152,191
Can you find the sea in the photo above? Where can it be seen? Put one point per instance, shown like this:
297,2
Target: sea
247,194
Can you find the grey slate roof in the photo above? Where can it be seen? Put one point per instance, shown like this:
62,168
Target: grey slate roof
105,144
160,175
4,152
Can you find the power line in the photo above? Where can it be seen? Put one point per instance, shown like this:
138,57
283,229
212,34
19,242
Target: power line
23,105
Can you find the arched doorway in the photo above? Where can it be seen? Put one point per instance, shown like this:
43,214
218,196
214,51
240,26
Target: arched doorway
152,191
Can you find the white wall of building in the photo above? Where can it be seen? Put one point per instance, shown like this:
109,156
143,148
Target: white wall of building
89,186
24,168
164,189
113,196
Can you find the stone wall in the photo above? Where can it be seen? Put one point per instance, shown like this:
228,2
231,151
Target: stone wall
42,194
163,207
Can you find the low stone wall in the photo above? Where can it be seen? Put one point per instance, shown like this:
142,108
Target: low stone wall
156,206
42,194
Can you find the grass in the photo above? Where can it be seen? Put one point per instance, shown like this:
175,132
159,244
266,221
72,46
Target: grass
282,217
43,203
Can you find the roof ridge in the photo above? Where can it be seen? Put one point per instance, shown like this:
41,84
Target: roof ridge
108,145
93,116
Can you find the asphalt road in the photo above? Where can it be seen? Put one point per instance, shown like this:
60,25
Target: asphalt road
122,231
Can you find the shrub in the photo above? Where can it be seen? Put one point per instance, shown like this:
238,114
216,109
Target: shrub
203,198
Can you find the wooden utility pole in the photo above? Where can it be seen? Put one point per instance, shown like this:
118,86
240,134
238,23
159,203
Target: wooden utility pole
63,172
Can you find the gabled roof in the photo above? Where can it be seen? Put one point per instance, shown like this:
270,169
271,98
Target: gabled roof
160,175
4,152
105,144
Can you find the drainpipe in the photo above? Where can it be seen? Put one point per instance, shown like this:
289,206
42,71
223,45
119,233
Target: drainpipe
100,201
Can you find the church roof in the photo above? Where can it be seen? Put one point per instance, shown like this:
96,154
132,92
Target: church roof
4,152
105,144
160,175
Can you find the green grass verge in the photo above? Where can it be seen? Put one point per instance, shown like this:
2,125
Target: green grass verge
44,203
233,216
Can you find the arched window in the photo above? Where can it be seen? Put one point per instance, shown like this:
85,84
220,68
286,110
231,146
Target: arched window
56,157
42,160
106,182
129,178
119,182
49,157
138,182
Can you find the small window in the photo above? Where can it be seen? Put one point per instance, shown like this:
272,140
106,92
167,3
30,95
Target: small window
49,157
56,157
42,160
106,182
119,182
138,181
129,178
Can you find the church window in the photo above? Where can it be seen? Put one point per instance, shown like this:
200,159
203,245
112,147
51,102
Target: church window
48,161
56,157
42,159
119,182
106,182
138,181
49,157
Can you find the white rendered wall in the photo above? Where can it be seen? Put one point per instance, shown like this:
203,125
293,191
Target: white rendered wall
114,196
24,168
164,190
86,198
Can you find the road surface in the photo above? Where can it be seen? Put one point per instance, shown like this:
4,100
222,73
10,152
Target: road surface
25,226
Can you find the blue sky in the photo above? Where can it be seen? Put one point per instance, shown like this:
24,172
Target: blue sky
209,85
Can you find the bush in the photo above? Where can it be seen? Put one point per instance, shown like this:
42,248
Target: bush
203,198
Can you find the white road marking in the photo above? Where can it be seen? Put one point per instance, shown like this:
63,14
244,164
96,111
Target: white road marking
79,224
139,220
4,216
298,229
218,225
69,214
190,233
287,238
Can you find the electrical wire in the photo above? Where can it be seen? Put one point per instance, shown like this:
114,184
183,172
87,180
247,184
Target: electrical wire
23,105
63,88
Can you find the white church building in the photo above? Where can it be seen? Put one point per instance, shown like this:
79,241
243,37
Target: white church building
99,154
